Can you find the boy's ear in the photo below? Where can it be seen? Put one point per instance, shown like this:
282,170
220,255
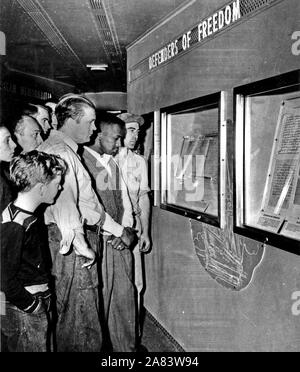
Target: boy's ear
41,189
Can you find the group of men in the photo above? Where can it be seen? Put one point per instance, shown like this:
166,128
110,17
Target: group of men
98,224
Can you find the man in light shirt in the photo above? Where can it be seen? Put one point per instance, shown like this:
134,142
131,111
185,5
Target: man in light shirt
134,170
77,207
117,275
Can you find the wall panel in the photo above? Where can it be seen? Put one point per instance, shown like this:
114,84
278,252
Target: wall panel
199,312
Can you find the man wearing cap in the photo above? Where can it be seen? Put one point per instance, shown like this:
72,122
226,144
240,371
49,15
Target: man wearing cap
134,169
76,209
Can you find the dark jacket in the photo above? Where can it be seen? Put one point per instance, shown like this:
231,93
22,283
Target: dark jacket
24,255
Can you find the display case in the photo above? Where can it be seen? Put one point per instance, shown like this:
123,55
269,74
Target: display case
193,143
267,159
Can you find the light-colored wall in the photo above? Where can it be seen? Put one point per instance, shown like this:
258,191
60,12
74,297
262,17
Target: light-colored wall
258,48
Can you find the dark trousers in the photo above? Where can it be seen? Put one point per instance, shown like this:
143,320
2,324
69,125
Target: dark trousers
24,332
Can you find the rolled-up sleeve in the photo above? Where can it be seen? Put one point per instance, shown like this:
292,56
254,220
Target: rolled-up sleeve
144,185
77,202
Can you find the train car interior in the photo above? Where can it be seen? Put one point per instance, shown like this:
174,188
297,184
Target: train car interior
217,83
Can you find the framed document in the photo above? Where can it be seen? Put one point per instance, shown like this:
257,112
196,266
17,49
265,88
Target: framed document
268,160
191,151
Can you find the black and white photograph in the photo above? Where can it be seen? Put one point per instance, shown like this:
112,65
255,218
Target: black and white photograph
150,179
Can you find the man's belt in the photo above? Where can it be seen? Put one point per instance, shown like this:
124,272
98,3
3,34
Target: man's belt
93,228
108,237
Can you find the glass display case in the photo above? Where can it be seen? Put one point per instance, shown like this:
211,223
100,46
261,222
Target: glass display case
268,160
193,140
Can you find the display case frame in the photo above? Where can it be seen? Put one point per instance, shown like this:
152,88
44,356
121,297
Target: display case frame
218,101
282,85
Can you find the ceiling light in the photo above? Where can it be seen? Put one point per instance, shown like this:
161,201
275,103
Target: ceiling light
99,66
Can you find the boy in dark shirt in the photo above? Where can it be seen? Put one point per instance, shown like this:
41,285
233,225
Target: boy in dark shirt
24,273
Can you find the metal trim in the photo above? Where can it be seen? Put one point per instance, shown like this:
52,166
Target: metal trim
219,99
286,83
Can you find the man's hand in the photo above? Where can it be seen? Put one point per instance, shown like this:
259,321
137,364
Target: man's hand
82,249
118,244
144,243
128,236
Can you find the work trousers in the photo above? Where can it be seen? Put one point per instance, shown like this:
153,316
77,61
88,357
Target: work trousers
77,300
25,332
119,297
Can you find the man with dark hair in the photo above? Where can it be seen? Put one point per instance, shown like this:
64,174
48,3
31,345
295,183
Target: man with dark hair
117,276
134,168
51,106
24,272
77,208
7,150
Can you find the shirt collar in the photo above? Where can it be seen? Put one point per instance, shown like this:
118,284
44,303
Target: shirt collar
15,209
67,140
125,152
104,159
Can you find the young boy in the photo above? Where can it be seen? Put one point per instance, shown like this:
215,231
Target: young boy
24,273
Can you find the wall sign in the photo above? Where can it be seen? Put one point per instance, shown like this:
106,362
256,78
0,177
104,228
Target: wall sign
222,19
205,29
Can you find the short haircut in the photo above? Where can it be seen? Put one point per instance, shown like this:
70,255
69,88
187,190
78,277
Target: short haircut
3,127
27,170
48,109
51,105
20,124
104,119
30,109
71,106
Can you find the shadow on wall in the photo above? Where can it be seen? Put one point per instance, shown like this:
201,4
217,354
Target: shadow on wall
109,101
228,258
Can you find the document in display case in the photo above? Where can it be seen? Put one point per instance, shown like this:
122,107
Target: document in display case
198,165
191,141
281,195
268,159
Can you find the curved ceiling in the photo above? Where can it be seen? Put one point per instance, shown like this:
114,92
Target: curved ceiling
54,40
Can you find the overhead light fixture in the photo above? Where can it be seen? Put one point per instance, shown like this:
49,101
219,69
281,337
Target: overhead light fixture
99,67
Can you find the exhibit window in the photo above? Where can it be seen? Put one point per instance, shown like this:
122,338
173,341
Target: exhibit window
267,159
193,147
